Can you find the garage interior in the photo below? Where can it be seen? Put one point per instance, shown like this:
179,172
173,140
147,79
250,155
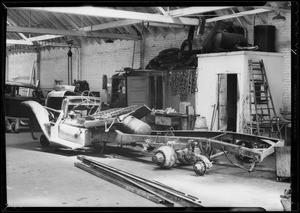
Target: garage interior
221,72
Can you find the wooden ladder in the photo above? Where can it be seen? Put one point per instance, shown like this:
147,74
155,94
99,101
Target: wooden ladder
262,111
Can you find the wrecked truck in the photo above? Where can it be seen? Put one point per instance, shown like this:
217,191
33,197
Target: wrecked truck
80,124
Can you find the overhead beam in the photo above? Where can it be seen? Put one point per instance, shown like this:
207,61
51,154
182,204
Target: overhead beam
15,29
162,10
155,24
72,33
112,13
244,13
90,29
276,9
22,42
193,10
12,23
113,24
44,37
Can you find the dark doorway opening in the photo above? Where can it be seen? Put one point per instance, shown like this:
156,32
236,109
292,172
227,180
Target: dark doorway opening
231,102
156,90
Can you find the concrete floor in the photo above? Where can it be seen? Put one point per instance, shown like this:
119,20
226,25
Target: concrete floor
36,178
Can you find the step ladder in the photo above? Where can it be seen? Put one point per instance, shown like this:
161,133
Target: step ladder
262,111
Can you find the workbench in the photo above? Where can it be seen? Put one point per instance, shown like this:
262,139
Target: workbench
173,121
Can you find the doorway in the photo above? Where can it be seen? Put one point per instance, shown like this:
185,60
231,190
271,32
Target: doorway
227,102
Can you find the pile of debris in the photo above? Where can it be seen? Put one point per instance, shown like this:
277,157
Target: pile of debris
175,58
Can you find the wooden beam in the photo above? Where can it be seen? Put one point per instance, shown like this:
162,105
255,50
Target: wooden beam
246,18
44,37
113,24
277,9
193,10
90,29
161,10
12,23
113,36
155,24
111,13
15,29
249,12
22,42
72,33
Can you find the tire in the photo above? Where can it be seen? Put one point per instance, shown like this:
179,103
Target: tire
186,43
170,50
44,141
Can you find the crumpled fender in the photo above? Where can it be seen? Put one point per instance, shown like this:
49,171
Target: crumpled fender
41,114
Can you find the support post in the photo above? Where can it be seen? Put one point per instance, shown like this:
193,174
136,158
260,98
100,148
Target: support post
7,67
38,66
142,52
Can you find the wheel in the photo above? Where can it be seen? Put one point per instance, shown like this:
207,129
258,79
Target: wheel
240,157
200,168
44,141
165,157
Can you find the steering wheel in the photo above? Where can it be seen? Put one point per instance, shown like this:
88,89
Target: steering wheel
88,98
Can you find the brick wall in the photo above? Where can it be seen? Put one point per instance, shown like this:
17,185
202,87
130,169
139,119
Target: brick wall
54,66
20,65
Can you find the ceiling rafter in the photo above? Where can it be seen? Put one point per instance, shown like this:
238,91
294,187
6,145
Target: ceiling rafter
61,23
71,33
246,18
112,13
12,23
18,17
151,31
161,10
193,10
248,12
22,42
134,26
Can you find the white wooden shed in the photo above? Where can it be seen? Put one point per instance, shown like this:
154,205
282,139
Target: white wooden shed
224,78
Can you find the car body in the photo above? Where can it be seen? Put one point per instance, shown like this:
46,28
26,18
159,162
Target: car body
15,94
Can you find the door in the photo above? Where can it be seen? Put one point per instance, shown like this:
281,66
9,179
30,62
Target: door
138,90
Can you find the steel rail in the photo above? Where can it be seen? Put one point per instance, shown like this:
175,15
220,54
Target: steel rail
183,200
128,186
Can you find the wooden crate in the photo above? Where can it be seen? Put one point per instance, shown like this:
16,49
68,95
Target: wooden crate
283,162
